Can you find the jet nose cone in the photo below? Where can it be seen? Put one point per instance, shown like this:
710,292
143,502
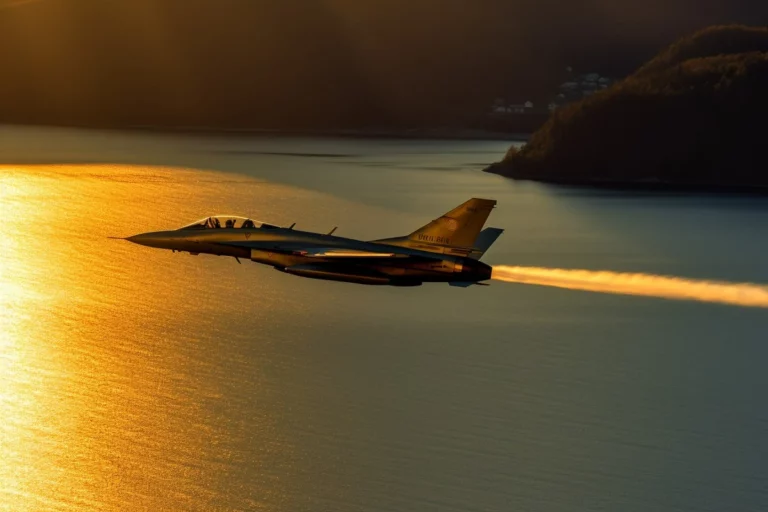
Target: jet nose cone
137,239
148,239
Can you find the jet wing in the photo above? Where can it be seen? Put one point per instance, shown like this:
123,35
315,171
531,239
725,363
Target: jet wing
354,256
331,253
320,252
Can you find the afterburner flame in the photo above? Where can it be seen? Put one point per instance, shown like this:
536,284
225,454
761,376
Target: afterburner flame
649,285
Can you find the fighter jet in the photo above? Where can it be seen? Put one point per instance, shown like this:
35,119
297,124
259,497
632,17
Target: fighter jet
447,249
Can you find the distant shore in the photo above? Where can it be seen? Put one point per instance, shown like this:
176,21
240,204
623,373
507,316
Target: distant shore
365,133
445,133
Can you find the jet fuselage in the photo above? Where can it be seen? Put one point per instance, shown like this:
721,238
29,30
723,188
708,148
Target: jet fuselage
284,249
447,249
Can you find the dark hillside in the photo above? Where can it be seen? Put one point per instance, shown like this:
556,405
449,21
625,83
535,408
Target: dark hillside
693,116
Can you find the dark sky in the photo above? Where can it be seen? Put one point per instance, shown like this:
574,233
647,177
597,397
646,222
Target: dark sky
319,63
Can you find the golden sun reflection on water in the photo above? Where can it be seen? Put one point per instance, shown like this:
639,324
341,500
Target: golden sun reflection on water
105,393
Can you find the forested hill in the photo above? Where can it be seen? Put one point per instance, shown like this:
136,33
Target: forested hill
694,116
307,64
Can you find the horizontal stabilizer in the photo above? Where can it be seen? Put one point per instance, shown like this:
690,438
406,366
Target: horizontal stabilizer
466,284
484,240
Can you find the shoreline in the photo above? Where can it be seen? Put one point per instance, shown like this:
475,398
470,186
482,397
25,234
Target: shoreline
651,187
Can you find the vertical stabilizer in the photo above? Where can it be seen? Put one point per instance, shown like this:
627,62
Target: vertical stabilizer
457,228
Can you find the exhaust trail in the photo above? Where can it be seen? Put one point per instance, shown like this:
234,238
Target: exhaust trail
648,285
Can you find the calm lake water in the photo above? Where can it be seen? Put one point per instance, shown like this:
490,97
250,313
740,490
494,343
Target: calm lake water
139,379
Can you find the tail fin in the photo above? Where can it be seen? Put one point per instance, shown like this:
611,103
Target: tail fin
484,240
457,228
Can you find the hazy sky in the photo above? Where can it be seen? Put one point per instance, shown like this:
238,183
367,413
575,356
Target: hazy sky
321,61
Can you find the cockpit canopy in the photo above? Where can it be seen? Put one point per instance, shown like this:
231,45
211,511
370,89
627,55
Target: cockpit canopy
228,221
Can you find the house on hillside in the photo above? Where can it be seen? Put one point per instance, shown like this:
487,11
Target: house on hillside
578,87
501,107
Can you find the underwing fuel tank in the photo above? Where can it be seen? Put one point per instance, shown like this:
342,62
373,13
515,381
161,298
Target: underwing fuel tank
341,274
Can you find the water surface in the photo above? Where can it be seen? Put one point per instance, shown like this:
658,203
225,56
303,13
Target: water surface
139,379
